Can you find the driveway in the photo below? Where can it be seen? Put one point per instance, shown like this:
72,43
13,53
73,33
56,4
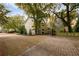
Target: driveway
15,44
53,46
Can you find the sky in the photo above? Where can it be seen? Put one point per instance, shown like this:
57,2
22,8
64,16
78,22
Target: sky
14,9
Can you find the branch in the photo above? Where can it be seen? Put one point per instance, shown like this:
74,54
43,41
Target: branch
57,15
73,8
61,18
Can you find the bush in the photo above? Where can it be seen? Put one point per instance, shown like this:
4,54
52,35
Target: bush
21,30
15,24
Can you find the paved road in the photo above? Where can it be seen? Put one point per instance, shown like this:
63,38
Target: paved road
53,46
50,46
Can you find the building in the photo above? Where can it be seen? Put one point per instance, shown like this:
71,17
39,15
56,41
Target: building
29,26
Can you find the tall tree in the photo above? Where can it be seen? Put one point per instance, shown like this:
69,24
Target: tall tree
36,11
66,15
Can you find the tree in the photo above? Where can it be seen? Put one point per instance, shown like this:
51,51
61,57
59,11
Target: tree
77,25
36,11
16,24
3,12
40,11
66,15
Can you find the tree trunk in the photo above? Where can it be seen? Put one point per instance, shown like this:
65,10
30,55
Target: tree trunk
36,28
68,18
70,29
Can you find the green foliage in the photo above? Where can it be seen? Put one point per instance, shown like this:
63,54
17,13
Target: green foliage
15,23
41,11
37,11
22,30
3,12
67,14
77,26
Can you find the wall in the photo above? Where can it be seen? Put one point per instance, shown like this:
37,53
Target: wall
29,25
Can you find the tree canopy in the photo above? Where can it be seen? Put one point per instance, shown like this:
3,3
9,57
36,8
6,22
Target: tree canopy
3,12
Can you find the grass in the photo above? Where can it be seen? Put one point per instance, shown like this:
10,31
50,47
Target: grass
68,34
16,45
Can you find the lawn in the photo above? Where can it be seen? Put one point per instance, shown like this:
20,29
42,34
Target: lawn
74,34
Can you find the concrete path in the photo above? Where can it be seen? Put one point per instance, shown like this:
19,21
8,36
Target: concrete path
52,46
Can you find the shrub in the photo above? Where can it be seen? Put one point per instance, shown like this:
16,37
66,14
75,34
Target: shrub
21,30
